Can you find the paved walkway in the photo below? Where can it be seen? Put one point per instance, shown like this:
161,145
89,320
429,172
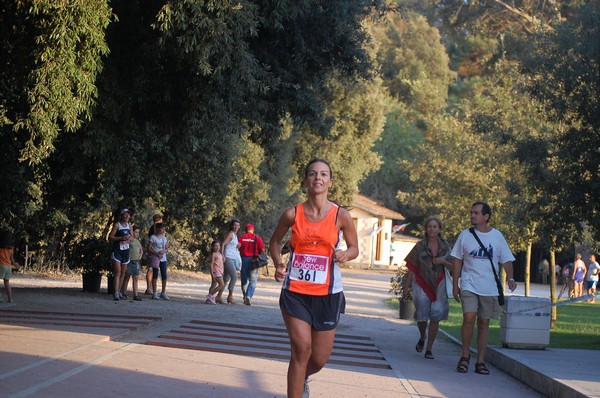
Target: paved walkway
182,348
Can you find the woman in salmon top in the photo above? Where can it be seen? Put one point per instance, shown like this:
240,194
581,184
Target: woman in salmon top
312,297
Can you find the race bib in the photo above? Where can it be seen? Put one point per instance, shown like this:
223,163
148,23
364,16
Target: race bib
309,268
124,245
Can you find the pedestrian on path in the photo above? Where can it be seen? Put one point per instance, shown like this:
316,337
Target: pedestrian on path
120,236
579,272
133,268
156,219
478,292
426,278
251,245
233,261
7,261
217,267
158,247
592,278
312,296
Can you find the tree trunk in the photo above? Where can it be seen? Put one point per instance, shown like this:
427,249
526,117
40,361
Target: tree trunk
528,269
552,288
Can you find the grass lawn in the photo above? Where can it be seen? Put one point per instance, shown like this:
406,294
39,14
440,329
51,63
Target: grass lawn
577,325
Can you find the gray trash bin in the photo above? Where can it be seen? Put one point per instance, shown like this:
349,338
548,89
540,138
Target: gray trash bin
525,322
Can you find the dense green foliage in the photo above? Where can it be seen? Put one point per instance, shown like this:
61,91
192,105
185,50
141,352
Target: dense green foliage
208,110
200,110
515,131
414,68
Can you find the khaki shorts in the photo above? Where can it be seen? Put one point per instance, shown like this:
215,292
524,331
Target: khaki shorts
5,272
486,307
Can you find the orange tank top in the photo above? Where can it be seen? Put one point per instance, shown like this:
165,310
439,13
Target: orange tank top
6,256
311,269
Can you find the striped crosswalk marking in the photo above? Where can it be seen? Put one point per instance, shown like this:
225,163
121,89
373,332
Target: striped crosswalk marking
266,342
73,319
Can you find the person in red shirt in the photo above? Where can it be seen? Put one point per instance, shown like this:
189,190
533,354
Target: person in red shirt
312,296
250,245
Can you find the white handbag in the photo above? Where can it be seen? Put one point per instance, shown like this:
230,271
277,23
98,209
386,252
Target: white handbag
448,280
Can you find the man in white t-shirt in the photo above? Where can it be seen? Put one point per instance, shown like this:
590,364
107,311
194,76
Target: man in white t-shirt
478,291
592,278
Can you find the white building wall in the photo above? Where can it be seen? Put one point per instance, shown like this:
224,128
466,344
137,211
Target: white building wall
401,250
367,242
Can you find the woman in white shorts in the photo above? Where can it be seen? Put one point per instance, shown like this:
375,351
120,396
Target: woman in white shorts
426,278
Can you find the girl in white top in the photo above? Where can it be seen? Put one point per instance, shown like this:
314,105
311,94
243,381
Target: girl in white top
158,246
233,261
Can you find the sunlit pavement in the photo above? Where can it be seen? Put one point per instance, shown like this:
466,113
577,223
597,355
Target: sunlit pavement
61,344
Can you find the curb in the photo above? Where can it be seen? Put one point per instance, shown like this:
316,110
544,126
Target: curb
525,374
531,377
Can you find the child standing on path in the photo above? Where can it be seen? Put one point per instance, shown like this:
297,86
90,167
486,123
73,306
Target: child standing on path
7,261
157,248
217,268
133,268
157,218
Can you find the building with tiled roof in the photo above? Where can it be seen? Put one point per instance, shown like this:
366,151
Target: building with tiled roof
374,224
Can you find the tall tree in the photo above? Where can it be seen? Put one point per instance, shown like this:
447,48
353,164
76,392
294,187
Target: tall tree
195,101
50,55
565,69
415,70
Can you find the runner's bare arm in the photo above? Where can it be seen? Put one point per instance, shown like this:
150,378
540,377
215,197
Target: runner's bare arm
346,224
285,223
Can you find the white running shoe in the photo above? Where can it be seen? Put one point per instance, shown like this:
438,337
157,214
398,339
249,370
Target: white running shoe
164,296
306,391
155,296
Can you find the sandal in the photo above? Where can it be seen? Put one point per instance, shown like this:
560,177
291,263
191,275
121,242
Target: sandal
463,365
420,345
429,355
481,369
